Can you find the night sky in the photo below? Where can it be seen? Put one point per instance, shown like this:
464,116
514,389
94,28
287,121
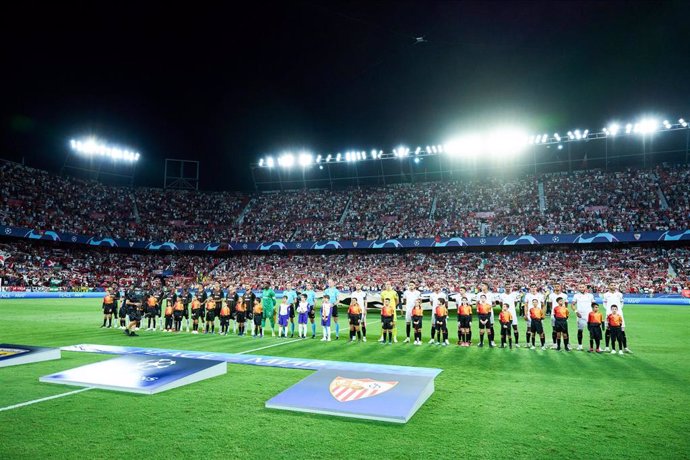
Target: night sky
227,84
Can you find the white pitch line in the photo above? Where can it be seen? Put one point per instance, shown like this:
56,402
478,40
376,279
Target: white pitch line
284,343
28,403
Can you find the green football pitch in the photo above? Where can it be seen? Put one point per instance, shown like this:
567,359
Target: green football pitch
488,403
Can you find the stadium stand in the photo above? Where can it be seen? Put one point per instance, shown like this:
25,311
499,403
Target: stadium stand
582,201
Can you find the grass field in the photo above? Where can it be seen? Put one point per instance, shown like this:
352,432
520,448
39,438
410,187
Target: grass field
489,403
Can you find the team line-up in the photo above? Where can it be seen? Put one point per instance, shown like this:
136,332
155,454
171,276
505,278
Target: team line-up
203,306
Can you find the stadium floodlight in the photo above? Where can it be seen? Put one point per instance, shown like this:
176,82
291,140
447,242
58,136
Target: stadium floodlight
261,163
417,150
628,128
560,146
318,158
305,159
557,137
571,136
286,160
91,146
506,142
440,148
647,126
416,160
320,166
578,134
434,149
348,156
464,146
270,162
373,154
329,158
428,149
544,138
613,129
683,123
338,157
667,124
380,154
585,134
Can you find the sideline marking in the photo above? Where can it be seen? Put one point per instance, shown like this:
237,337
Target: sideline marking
28,403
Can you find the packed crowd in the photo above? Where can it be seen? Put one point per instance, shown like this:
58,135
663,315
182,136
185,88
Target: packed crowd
584,201
648,270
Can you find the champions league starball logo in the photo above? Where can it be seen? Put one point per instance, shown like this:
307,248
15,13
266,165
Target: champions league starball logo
162,247
155,364
327,245
345,389
47,235
103,242
598,238
272,246
666,236
524,239
386,244
451,242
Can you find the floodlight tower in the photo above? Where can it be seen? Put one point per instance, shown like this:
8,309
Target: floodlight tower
95,157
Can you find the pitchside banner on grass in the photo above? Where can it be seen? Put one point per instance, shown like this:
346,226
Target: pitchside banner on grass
12,355
139,374
376,396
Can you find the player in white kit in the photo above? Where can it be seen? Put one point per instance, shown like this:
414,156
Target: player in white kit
582,306
529,297
409,298
614,297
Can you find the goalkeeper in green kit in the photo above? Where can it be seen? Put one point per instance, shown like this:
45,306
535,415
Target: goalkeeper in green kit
268,302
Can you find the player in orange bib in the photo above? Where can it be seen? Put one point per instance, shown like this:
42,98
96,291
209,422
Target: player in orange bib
464,323
615,321
506,320
354,314
536,315
417,317
168,318
109,307
561,313
441,313
595,324
224,318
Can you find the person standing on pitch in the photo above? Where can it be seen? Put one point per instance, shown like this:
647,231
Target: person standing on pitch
361,297
311,301
417,317
441,323
283,317
556,294
392,296
614,297
387,316
511,298
595,323
530,297
410,297
464,323
303,309
291,295
268,302
240,315
560,312
484,315
354,313
133,303
258,317
491,299
248,298
434,298
326,312
231,299
615,322
333,294
109,306
536,315
197,312
505,318
582,305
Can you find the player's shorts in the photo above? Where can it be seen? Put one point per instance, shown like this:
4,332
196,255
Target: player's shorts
417,322
123,312
595,331
198,313
536,326
178,314
210,315
553,321
354,320
291,311
302,318
581,324
561,325
108,309
505,327
486,318
464,321
387,324
283,320
441,322
257,319
311,313
326,322
185,313
241,316
225,319
334,311
408,315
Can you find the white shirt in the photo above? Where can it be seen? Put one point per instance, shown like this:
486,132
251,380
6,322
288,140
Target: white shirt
583,303
411,297
303,307
361,297
529,297
510,299
284,309
554,296
433,297
490,297
468,295
613,298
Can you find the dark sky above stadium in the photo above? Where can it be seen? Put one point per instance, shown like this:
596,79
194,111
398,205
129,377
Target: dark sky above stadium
225,84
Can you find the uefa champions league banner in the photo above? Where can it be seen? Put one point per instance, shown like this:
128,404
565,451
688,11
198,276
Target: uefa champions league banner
51,295
13,355
474,242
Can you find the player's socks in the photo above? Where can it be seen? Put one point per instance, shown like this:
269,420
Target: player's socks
313,328
554,337
481,338
558,343
591,343
607,337
359,335
292,328
110,322
566,341
623,339
543,340
510,342
104,320
337,330
517,336
407,330
529,336
364,330
579,338
533,337
352,334
503,340
469,337
445,335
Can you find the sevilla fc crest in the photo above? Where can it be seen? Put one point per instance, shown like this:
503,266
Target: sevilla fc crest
346,389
